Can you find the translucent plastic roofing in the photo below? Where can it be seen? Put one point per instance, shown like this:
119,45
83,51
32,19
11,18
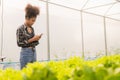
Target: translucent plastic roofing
107,8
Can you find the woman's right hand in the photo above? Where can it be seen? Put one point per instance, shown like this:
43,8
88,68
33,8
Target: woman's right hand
36,37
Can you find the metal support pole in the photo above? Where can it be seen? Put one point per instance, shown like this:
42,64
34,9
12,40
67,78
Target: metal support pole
48,36
105,36
1,46
82,34
0,25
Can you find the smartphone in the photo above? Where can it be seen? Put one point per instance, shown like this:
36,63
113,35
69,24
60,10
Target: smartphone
41,34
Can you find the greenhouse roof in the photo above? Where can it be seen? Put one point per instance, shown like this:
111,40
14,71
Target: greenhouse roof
105,8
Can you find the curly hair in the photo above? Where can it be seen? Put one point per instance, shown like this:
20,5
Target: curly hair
31,11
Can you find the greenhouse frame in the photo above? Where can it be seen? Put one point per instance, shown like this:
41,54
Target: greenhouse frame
85,28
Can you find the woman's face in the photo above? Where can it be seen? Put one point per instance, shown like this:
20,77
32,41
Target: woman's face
31,21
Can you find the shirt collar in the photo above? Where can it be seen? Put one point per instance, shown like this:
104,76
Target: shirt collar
25,27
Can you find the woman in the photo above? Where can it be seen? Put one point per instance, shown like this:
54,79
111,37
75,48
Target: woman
26,38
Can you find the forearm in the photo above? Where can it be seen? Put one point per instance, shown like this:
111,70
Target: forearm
35,38
31,40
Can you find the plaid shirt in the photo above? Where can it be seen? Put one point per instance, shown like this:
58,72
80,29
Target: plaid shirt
23,36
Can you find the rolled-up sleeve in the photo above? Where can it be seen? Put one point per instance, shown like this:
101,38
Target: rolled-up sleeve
21,41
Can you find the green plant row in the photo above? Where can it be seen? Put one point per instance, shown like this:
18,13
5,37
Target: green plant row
74,68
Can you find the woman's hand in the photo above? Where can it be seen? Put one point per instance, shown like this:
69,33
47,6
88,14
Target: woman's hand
35,38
